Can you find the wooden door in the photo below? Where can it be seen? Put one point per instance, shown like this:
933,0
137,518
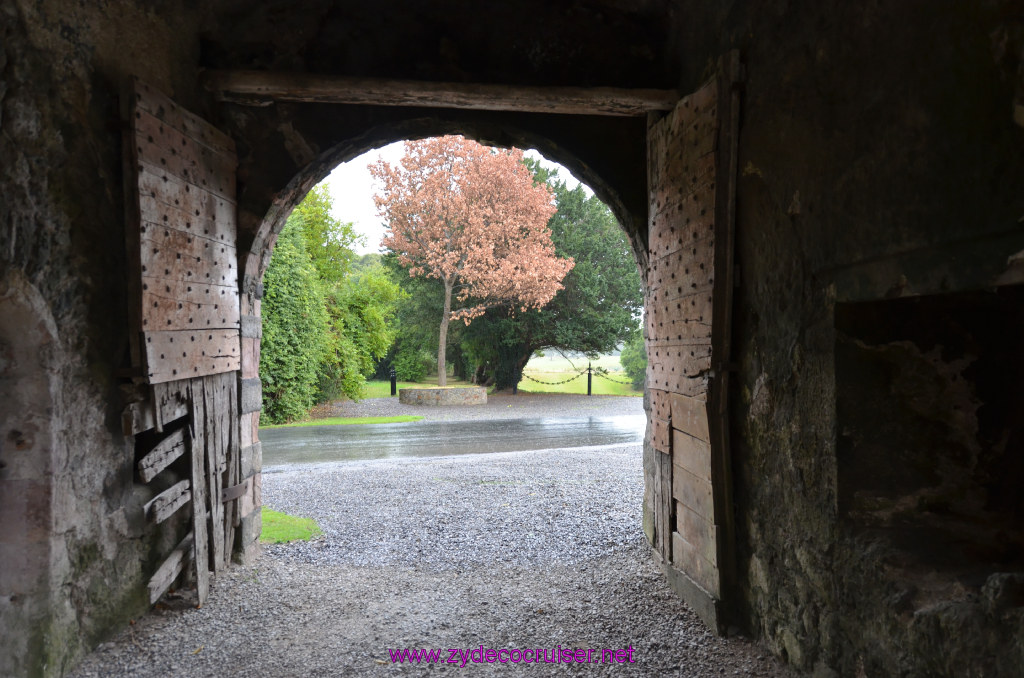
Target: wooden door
691,179
185,325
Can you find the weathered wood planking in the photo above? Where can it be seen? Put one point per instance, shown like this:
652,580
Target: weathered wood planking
233,459
168,200
174,355
220,311
699,532
170,254
729,87
668,377
171,568
692,454
197,452
161,145
186,262
687,558
150,100
262,87
164,505
162,455
221,453
661,407
693,492
684,271
683,251
690,415
663,507
689,220
660,432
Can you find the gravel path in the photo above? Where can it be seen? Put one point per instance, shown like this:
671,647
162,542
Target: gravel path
505,550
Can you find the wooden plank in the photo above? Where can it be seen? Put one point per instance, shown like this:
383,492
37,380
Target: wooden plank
693,492
690,415
692,454
163,146
150,100
171,568
162,455
232,512
691,174
683,272
168,200
214,467
138,417
171,400
199,494
669,313
707,607
128,106
699,532
679,332
206,306
164,505
260,87
677,383
173,355
687,558
671,373
660,433
170,254
728,92
660,403
663,507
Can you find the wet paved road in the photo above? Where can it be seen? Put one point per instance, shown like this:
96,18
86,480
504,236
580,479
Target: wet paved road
314,444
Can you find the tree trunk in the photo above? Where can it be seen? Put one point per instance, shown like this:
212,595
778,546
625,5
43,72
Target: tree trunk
442,341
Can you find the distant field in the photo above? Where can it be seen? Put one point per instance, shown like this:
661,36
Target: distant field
555,368
553,362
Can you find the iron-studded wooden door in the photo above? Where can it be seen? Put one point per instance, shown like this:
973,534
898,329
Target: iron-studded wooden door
691,179
184,300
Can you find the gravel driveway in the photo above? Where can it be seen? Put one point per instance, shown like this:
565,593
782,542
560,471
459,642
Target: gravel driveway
506,550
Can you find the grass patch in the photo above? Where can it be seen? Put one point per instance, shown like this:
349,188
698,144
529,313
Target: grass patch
347,421
281,528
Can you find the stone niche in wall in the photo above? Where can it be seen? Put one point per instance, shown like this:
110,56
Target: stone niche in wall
930,445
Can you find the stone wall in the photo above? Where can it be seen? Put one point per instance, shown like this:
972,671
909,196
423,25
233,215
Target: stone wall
453,395
61,268
878,159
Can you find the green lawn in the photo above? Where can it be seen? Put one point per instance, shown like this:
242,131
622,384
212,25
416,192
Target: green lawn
344,421
279,528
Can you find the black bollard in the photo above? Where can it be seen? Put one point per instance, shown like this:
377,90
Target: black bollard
589,377
394,383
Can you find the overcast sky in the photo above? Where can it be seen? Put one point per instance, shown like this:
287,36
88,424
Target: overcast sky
352,188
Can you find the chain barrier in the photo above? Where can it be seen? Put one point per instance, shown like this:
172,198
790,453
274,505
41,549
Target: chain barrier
554,383
604,375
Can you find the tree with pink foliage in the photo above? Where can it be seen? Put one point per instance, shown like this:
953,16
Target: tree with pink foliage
471,216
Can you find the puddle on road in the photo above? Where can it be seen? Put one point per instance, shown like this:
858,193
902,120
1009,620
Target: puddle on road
313,444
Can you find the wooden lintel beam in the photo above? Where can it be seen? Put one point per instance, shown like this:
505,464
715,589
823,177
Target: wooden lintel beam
261,88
